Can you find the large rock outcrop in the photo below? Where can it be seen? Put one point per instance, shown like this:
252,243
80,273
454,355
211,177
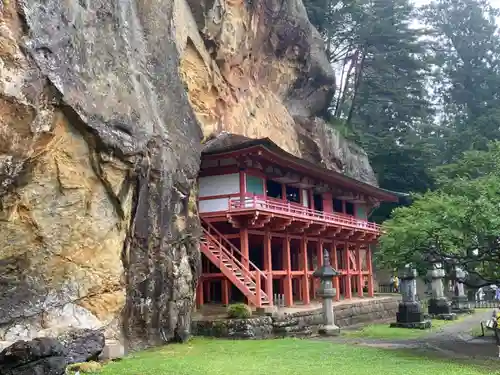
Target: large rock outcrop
101,105
99,150
258,68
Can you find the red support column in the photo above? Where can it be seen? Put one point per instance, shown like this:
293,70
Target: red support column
243,187
370,271
311,199
360,270
305,284
327,202
199,293
225,291
244,246
348,285
268,266
287,282
319,261
335,266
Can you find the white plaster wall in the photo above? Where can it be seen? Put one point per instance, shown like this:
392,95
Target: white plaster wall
213,205
305,198
219,185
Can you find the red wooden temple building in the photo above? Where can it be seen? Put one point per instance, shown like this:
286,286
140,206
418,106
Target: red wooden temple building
267,216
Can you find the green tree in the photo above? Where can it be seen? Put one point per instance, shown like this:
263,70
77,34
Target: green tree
458,221
381,96
465,56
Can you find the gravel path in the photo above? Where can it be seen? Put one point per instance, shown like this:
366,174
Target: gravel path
453,340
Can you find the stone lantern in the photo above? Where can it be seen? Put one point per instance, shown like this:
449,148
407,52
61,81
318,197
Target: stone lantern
439,306
326,291
460,302
410,313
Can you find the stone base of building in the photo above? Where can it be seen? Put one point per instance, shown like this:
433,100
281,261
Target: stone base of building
439,306
425,324
300,323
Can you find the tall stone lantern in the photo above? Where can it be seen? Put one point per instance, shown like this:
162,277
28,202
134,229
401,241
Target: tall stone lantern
439,306
410,313
460,302
326,291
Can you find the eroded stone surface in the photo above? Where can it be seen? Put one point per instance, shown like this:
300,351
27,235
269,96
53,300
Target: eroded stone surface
259,69
99,150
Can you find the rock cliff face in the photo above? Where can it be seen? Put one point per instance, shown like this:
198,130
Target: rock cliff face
100,146
99,150
258,68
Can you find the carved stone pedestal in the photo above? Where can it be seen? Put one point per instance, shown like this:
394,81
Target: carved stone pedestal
440,308
410,313
460,305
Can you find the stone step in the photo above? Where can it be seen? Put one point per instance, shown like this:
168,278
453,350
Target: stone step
113,349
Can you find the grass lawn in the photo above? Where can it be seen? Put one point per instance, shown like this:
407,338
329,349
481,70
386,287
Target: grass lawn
285,356
384,331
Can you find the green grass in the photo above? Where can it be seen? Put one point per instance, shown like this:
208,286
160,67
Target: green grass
384,331
284,356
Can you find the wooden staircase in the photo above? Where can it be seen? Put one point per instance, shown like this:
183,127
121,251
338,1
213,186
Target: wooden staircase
237,268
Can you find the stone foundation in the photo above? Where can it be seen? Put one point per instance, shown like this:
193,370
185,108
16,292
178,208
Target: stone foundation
301,323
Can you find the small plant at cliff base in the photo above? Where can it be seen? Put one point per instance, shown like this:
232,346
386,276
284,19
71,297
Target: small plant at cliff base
84,368
460,221
239,311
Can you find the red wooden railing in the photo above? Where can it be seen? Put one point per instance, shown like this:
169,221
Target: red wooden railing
248,269
297,210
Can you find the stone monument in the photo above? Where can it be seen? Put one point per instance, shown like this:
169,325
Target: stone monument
460,302
409,313
326,291
439,306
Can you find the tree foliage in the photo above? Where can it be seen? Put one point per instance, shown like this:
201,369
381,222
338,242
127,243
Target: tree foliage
458,221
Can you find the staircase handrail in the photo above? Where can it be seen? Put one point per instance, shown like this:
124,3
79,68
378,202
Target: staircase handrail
247,274
234,248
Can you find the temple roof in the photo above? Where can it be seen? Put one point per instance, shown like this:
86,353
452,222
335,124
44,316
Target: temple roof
227,142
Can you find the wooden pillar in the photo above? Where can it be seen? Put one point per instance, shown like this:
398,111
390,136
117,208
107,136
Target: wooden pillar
243,187
287,282
305,282
283,192
370,271
199,293
327,202
360,270
268,266
225,291
319,261
244,247
348,284
336,267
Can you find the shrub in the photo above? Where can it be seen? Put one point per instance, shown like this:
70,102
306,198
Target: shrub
84,368
239,311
